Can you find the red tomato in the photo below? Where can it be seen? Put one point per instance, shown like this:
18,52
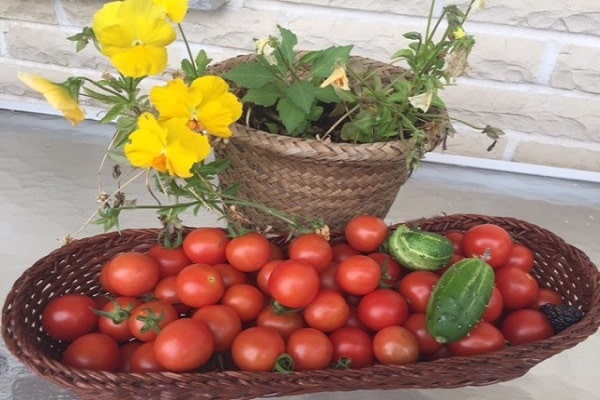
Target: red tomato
144,360
230,275
199,285
483,338
545,296
416,288
69,316
310,349
93,351
170,261
294,283
416,324
257,349
284,323
246,300
327,277
343,250
494,308
391,270
222,321
395,345
353,344
184,345
526,326
114,316
521,257
327,312
130,274
382,308
312,248
248,252
127,350
263,275
366,233
518,288
166,290
206,245
490,241
148,318
358,275
456,238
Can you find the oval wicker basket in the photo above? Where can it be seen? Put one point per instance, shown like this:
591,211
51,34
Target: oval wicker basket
74,268
309,177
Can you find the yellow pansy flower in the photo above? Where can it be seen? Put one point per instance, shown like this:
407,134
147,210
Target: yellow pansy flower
422,101
134,35
459,33
169,146
338,79
61,96
176,9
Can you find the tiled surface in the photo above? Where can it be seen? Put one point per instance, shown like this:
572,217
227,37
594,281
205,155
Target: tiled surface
48,185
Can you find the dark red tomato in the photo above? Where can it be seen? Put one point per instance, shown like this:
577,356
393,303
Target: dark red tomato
456,238
416,324
358,275
231,276
395,345
245,299
517,287
391,270
312,248
328,277
416,288
69,316
327,312
257,349
284,323
166,290
144,360
130,274
443,352
354,321
184,345
353,344
521,257
127,350
546,296
310,349
343,250
206,245
170,261
148,319
495,307
490,241
93,351
484,338
294,283
223,322
114,316
199,285
263,275
248,252
276,252
381,308
366,233
526,326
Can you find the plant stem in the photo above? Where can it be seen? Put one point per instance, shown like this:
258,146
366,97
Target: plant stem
189,50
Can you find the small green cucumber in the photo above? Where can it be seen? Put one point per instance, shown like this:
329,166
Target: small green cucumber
420,250
459,299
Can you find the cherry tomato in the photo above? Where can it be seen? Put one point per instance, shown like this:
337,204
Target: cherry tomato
248,252
93,351
263,275
284,323
257,349
343,250
391,270
518,288
166,290
490,241
483,338
114,316
184,345
199,285
206,245
366,233
245,299
127,350
521,257
230,275
358,275
170,261
416,324
327,312
526,326
456,238
353,344
222,321
416,288
310,349
130,274
382,308
545,296
494,308
395,345
69,316
327,277
147,319
294,283
143,359
312,248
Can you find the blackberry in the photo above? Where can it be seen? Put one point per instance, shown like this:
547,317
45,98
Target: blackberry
561,316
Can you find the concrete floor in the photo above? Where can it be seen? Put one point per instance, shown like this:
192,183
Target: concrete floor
48,185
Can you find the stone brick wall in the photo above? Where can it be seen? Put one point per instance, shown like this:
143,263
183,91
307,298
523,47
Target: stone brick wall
535,71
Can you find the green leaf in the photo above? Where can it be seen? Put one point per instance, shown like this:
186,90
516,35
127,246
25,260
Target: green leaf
250,75
302,94
113,113
265,96
292,116
202,60
413,36
328,94
288,42
188,70
404,53
326,60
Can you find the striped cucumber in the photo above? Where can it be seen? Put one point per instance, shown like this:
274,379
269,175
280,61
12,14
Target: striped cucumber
459,299
420,250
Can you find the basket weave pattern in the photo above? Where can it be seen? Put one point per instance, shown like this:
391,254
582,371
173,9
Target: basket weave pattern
74,268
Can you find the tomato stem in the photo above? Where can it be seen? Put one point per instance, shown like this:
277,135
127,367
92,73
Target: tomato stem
284,364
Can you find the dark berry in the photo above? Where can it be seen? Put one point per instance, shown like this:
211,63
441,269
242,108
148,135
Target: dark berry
561,316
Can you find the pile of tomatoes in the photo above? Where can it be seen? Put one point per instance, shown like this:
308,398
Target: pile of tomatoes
245,303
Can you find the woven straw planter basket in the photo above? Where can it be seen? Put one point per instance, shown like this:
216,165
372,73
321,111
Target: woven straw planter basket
74,268
308,177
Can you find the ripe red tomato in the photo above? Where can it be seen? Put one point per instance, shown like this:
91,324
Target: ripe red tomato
199,285
257,349
312,248
184,345
166,290
490,241
545,296
230,275
358,275
148,318
327,312
245,299
263,275
170,261
144,360
114,316
416,288
284,323
249,252
327,277
69,316
395,345
416,324
343,250
130,274
366,233
494,308
518,288
206,245
382,308
521,257
483,338
526,326
223,322
391,270
310,349
353,344
456,239
127,350
93,351
294,283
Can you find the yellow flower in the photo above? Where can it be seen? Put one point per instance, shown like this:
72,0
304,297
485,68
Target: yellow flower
459,33
134,35
169,146
265,47
61,96
207,104
338,79
176,9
